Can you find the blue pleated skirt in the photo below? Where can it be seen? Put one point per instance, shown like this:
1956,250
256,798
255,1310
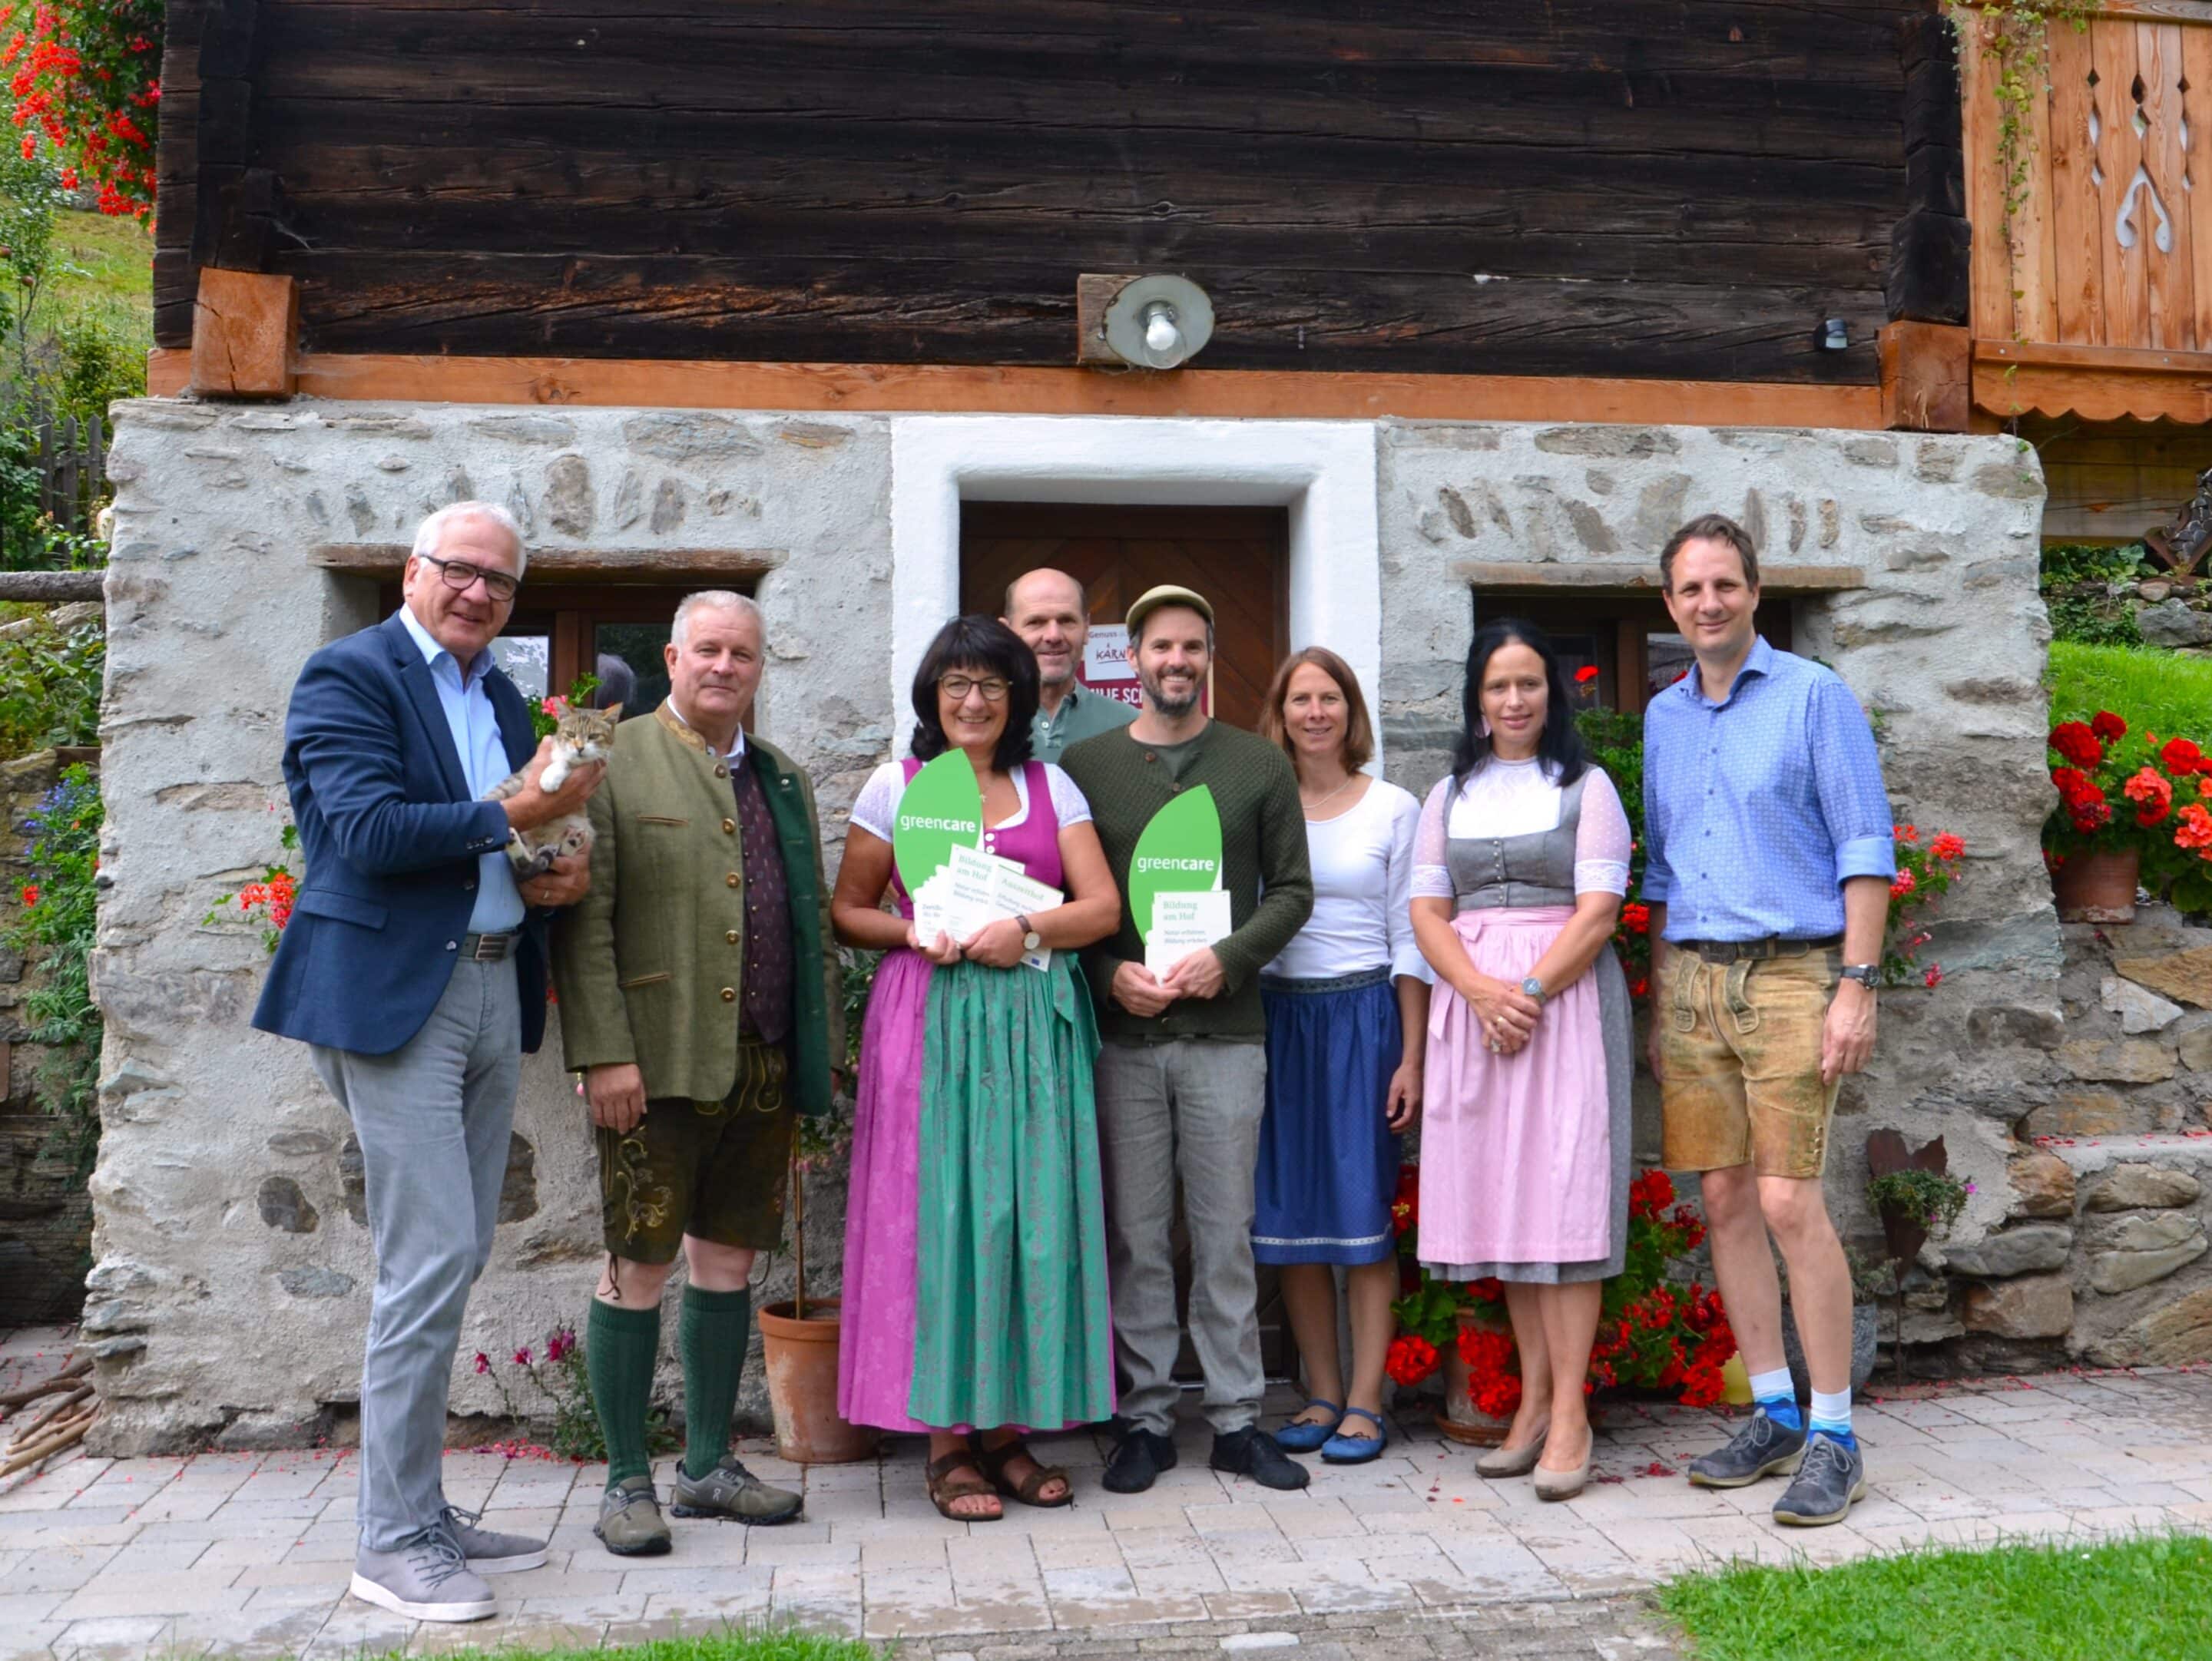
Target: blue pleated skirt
1328,1164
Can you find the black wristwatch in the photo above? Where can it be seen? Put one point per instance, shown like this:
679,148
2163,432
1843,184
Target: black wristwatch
1868,975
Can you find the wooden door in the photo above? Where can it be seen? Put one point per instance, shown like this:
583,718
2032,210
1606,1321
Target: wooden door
1235,556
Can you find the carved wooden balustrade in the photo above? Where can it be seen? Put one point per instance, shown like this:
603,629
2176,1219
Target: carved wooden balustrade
2100,301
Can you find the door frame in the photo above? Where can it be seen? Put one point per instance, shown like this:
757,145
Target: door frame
1324,472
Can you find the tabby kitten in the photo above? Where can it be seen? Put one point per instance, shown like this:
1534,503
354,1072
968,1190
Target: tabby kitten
584,735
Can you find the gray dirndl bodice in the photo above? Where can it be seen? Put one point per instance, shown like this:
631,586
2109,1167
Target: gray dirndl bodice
1535,869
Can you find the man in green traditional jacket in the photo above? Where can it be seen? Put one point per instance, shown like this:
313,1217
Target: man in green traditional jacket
699,997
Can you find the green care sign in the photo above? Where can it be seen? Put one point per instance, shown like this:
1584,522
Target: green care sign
942,808
1179,852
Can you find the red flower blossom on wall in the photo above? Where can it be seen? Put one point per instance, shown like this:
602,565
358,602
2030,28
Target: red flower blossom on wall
1946,847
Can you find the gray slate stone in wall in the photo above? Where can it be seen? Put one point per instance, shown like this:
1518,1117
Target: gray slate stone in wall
2022,1251
2171,623
2139,1010
2128,1187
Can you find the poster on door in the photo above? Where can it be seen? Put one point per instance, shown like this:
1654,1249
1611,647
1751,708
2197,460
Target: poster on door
1107,668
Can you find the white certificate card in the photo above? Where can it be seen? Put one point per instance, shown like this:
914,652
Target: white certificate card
1184,922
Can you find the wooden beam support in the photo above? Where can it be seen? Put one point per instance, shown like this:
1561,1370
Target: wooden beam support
597,565
244,325
963,389
1926,377
2097,383
1639,576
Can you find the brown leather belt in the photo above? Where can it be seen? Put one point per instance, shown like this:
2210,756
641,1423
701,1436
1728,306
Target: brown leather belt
1739,951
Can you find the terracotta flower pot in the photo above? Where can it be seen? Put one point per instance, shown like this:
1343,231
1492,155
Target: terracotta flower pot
801,1357
1463,1421
2098,886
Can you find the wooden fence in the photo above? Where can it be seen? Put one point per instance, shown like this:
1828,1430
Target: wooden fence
71,483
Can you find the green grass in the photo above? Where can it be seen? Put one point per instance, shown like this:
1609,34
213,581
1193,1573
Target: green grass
733,1645
114,262
2148,1598
2167,693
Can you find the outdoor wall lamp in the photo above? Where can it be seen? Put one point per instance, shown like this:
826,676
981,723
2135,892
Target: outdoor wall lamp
1834,334
1140,321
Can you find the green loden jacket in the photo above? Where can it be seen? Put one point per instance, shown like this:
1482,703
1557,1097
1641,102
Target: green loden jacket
646,964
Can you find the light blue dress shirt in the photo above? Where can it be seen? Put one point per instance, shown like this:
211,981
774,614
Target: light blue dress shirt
475,726
1756,808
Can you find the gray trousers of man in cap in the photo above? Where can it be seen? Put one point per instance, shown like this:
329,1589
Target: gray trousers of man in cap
1189,1107
434,1118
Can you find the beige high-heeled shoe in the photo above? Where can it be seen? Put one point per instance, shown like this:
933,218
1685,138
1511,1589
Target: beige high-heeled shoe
1563,1484
1513,1461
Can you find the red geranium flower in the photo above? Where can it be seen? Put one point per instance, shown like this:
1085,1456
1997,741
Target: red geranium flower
2182,755
1905,832
1905,884
1935,975
1586,674
1636,918
2090,813
30,893
2108,726
2195,828
2071,782
1946,847
2077,743
2152,794
1411,1359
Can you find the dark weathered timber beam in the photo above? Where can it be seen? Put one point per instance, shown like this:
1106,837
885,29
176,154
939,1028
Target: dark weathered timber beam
569,564
1642,576
51,587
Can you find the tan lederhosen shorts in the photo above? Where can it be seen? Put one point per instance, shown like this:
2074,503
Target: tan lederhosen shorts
1739,1061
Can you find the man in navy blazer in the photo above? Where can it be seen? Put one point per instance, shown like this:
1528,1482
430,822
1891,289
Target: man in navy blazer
415,965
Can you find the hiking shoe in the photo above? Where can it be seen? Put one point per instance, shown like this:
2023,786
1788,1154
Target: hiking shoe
1139,1459
1760,1448
486,1552
629,1523
731,1491
1252,1453
425,1580
1831,1477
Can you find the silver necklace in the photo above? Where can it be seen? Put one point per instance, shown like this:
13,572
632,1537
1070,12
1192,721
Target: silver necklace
1331,796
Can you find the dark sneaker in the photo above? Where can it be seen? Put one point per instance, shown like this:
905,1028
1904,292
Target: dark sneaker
488,1553
1252,1453
1139,1459
1831,1477
424,1579
629,1523
1760,1448
729,1490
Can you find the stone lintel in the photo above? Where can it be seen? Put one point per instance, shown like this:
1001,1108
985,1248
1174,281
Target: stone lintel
571,564
1642,576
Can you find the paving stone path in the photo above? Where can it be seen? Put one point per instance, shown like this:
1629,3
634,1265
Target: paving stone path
1411,1555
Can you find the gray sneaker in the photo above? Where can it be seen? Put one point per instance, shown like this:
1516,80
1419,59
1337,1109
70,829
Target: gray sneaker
629,1523
730,1490
1761,1447
1831,1477
488,1553
425,1580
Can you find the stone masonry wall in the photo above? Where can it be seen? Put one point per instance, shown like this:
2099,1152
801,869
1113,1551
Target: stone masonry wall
232,1281
233,1274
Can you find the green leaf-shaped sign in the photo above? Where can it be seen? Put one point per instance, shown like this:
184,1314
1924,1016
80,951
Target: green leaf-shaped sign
943,806
1179,851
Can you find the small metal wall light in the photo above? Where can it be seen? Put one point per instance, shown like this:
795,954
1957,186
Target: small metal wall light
1140,321
1834,334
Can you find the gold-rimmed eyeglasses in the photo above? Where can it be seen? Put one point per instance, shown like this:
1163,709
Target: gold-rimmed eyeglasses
459,575
957,687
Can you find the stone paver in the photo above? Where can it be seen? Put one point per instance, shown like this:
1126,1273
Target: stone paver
1411,1555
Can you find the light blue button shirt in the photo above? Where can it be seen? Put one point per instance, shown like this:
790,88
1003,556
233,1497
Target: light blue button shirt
475,726
1756,808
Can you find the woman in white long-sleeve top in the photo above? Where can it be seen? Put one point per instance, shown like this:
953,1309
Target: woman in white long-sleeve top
1347,1006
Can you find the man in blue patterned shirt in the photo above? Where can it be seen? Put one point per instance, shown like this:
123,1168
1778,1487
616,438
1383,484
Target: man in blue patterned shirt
1768,862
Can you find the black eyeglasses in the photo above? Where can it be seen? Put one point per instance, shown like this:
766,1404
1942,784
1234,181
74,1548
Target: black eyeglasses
957,687
460,575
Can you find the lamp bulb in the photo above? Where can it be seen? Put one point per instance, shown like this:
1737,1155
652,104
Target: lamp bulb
1161,335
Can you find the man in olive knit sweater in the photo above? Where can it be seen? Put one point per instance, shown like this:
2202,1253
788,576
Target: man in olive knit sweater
1182,1072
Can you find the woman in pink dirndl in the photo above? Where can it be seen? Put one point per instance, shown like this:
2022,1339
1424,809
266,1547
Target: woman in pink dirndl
1519,866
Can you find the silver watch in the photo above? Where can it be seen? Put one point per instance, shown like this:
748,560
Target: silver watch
1868,975
1534,988
1030,939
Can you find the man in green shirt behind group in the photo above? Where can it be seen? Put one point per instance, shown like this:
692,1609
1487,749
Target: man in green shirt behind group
1182,1073
1049,610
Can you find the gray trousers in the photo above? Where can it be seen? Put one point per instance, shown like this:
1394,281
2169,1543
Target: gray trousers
1190,1106
433,1117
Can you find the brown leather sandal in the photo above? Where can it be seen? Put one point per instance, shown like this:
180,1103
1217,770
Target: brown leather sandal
946,1487
995,1461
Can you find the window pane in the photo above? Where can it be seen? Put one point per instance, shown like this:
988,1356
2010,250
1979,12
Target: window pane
1670,659
630,665
527,660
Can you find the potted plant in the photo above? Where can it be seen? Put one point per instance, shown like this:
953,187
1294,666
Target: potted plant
799,1337
2132,812
1869,1281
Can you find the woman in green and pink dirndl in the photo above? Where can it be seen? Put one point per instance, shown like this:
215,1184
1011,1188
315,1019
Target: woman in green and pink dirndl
975,1302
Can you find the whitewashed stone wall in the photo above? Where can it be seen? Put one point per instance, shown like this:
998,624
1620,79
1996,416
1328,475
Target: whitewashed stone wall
232,1281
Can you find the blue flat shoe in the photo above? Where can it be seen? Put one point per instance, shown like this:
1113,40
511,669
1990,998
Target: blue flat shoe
1356,1450
1297,1438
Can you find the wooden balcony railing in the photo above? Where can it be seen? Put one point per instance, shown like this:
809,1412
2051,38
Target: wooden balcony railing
2100,300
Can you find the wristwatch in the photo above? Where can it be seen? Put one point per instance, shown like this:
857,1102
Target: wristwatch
1534,988
1030,939
1868,975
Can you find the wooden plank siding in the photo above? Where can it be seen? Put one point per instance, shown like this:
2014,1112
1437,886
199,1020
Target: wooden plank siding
1612,188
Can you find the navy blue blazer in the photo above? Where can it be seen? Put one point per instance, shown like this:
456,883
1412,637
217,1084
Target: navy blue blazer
391,838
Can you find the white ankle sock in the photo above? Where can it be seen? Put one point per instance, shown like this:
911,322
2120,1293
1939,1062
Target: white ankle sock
1832,1412
1775,1386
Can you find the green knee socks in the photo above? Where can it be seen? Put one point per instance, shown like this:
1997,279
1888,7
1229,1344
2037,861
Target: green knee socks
711,1341
620,1347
